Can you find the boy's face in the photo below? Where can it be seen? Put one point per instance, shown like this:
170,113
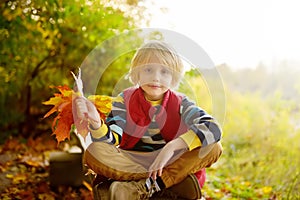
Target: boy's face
155,79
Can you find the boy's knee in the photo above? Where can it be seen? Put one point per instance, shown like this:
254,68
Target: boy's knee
216,152
211,150
98,151
219,149
211,153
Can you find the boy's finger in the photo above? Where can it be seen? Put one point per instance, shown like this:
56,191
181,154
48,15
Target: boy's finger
92,118
154,175
160,172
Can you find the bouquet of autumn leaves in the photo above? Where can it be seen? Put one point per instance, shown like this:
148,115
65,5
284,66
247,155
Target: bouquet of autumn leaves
62,103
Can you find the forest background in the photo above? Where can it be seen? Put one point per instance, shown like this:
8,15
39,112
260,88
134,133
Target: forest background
42,41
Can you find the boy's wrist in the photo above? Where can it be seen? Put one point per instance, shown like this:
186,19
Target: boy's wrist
100,132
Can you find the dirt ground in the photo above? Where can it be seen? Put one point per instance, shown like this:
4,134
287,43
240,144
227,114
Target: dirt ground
26,173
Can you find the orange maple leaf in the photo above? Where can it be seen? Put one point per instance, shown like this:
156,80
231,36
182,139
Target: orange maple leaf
67,115
62,124
62,103
59,100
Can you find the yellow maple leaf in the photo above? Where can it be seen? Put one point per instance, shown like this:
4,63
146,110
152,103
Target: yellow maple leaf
103,103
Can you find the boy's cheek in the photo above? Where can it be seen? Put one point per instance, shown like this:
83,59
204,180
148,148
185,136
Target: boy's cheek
144,78
167,82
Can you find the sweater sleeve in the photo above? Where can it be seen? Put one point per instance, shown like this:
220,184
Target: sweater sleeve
201,124
191,139
111,131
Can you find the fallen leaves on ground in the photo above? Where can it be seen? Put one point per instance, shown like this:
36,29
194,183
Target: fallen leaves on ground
24,171
232,188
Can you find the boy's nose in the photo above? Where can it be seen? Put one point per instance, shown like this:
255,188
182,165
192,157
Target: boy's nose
156,76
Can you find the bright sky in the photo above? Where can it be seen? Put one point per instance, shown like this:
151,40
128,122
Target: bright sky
241,33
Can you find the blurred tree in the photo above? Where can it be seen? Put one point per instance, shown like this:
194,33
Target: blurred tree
41,42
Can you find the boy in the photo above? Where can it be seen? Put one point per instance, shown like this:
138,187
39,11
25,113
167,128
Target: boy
156,138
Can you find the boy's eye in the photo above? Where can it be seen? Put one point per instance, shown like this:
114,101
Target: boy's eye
148,69
165,71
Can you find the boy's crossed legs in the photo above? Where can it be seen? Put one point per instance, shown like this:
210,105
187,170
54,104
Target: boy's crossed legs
124,165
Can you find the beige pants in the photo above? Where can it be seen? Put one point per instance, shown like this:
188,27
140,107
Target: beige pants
118,164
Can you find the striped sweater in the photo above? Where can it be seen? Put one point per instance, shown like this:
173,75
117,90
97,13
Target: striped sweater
201,128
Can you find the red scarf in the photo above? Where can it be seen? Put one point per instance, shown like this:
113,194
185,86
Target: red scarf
140,113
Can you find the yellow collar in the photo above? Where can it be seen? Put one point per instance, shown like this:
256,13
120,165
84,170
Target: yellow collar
154,102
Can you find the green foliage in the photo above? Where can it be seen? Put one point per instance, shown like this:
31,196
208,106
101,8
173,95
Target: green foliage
42,41
260,139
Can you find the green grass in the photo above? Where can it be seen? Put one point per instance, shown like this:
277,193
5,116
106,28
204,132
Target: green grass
261,143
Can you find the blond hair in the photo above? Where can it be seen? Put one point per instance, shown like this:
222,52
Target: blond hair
165,55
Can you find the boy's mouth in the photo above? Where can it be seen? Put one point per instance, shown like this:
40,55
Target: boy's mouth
154,86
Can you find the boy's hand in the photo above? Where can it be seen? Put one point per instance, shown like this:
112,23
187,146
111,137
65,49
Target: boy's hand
164,156
86,110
